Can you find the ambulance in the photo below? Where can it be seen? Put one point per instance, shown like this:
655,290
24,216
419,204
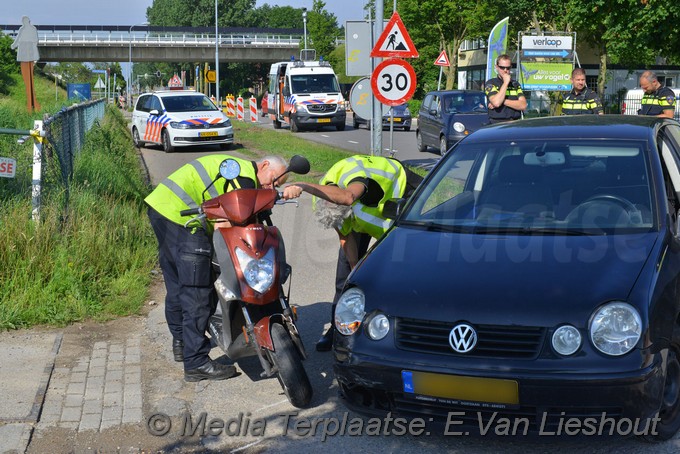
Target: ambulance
306,95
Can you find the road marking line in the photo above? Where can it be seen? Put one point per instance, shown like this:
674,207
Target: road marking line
324,135
352,141
247,446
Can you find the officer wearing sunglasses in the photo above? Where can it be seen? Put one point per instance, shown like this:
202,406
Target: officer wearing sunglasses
506,99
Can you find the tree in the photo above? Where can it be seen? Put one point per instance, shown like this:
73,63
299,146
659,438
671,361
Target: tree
201,13
436,25
279,17
8,64
323,29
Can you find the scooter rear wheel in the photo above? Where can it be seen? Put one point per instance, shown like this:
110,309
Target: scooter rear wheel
291,373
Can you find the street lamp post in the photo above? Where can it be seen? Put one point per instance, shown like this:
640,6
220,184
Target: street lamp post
129,81
217,62
304,24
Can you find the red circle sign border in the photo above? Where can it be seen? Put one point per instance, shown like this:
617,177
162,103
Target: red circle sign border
374,81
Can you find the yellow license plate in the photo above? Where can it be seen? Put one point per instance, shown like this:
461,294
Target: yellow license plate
208,134
472,389
397,120
323,120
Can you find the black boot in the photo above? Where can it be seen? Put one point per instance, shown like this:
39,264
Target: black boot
212,370
178,350
325,343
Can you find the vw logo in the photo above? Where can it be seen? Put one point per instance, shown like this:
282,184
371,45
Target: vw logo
463,338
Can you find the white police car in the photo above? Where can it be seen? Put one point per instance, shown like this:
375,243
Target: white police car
179,119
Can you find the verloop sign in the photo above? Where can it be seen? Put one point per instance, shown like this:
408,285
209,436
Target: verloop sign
8,167
547,42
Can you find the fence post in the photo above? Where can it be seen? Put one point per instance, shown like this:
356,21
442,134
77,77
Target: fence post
38,133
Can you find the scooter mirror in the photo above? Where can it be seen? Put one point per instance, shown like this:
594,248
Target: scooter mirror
298,164
230,169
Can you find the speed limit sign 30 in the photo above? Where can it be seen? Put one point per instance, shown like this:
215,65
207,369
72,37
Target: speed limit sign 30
393,82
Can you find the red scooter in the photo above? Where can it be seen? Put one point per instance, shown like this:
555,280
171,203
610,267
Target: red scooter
253,316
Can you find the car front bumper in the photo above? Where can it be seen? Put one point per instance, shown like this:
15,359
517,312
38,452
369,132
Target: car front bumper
306,119
189,137
548,401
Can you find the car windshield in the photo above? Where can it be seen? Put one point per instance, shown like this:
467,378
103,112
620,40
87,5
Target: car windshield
538,187
317,83
465,103
188,103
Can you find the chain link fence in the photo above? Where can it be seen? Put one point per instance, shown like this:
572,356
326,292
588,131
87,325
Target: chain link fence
66,131
46,168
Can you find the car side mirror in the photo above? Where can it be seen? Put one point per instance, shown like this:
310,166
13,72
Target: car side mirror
393,208
154,112
433,112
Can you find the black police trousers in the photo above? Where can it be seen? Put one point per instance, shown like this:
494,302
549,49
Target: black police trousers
186,261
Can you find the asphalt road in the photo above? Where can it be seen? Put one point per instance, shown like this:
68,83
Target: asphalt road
256,409
359,140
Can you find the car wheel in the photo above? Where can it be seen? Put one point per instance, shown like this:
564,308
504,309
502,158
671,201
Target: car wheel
419,142
277,124
225,146
443,146
135,138
407,128
669,413
294,126
340,127
167,144
355,123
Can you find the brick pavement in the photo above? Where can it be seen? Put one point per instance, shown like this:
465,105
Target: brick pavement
99,391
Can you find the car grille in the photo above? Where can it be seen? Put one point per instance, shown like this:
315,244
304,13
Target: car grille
321,108
492,341
546,419
204,139
207,126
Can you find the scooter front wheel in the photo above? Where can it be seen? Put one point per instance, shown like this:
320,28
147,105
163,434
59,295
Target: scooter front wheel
291,373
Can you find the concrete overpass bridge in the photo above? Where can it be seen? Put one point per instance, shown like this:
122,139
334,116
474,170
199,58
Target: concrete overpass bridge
119,43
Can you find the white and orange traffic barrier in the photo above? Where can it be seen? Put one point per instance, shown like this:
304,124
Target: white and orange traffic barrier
253,109
239,108
231,110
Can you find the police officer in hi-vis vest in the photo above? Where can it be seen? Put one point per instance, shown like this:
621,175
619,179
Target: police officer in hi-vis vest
657,101
506,98
581,100
357,188
185,254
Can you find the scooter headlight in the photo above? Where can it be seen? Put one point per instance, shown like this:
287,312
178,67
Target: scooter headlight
259,273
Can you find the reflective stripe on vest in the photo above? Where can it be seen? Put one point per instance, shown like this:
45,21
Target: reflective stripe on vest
388,173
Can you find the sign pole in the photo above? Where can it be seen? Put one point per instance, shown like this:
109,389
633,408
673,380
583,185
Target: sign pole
376,132
439,82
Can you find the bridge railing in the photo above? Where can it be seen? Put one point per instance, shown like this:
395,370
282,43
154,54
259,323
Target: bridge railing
142,38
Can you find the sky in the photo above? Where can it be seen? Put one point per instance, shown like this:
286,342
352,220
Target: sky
132,12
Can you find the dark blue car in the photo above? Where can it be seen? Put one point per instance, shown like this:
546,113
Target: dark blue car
446,117
535,276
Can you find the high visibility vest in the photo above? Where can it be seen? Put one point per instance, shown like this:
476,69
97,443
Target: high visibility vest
185,187
390,176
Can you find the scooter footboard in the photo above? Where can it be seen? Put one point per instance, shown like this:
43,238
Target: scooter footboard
264,337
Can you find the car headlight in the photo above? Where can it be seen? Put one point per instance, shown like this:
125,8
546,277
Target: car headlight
458,127
300,107
341,106
378,327
407,113
224,124
566,340
259,273
178,125
615,328
349,311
